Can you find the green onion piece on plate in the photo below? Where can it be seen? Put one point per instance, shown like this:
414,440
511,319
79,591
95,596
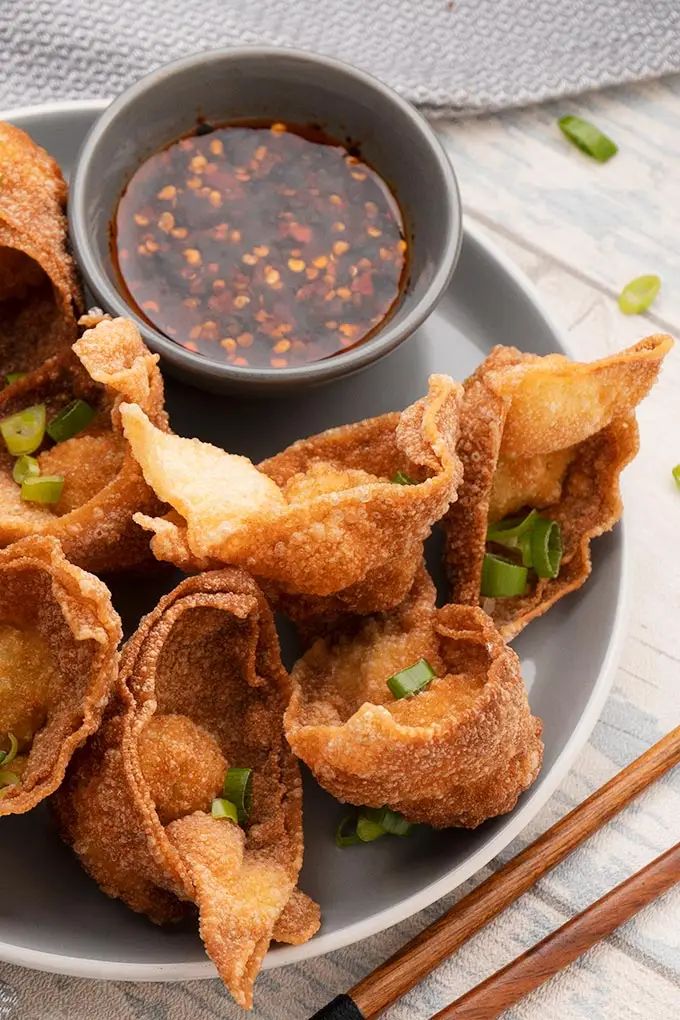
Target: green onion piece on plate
8,756
588,138
24,431
238,788
639,294
411,680
222,808
502,579
370,824
401,478
368,830
676,474
25,466
42,488
70,421
390,821
344,836
13,377
546,547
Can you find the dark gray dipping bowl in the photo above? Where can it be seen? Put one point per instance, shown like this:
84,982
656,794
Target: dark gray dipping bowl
288,85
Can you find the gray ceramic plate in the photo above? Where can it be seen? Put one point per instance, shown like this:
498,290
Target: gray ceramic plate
54,918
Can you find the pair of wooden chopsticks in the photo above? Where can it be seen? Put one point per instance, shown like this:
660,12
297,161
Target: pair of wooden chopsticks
371,996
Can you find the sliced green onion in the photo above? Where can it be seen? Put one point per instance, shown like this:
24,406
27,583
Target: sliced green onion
343,837
511,529
7,779
369,824
42,489
588,138
25,466
390,821
401,478
411,680
524,546
546,547
222,808
24,431
238,788
501,579
676,475
368,830
639,294
13,377
73,419
8,756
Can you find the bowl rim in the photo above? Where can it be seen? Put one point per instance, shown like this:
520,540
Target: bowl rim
199,366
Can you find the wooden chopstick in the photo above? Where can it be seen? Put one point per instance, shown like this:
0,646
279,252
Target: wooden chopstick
530,970
414,961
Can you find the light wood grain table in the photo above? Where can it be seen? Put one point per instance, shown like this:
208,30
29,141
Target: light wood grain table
580,231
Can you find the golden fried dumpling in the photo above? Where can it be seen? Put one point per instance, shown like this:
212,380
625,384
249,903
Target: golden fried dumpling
456,753
102,483
202,691
550,435
321,519
58,663
39,293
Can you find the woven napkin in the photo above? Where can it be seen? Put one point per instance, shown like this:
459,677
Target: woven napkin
451,57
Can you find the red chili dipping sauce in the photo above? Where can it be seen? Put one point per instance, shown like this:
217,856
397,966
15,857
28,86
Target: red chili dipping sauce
263,245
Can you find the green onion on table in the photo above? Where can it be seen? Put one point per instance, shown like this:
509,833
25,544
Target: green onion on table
588,138
637,296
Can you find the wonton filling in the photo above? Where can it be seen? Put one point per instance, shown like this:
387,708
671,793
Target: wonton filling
182,765
26,672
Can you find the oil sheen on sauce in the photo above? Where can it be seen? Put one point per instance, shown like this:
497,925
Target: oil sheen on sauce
264,245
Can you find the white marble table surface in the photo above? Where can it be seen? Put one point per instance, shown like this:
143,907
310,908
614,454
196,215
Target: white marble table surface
580,231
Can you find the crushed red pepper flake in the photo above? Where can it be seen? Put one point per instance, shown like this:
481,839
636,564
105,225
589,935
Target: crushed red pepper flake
240,240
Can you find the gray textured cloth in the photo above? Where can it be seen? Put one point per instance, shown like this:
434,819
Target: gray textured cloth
448,56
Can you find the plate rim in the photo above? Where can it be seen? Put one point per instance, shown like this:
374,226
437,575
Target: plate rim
111,970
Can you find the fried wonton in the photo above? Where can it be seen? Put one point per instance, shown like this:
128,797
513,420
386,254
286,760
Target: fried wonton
321,519
547,434
202,690
103,485
58,663
458,752
39,292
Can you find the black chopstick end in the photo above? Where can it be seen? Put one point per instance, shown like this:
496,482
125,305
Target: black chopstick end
343,1007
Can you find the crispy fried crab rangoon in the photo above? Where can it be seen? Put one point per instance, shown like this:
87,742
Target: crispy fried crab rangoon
102,483
202,691
460,751
39,293
58,663
323,519
545,434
